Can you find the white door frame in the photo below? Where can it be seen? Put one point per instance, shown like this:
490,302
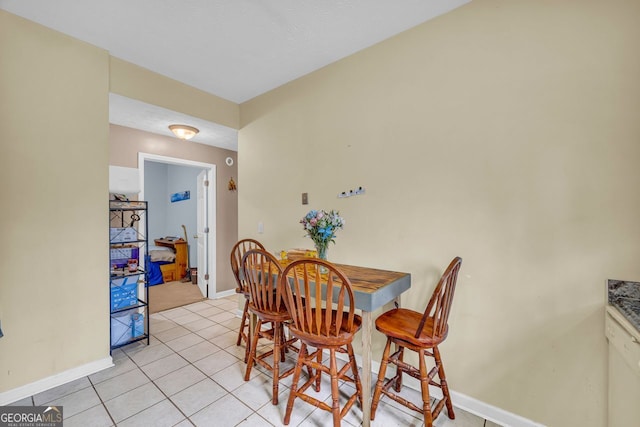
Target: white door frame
202,232
211,205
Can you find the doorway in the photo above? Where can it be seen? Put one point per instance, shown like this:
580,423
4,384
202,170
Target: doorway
201,237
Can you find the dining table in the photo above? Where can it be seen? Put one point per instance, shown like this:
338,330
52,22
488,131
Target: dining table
372,288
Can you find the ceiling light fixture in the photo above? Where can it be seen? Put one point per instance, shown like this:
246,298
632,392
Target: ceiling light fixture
184,131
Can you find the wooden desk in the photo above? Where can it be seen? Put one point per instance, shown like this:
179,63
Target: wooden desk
180,248
372,289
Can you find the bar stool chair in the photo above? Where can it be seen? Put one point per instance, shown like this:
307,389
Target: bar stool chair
238,251
262,273
321,305
399,325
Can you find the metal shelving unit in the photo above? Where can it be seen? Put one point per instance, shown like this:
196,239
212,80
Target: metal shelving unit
128,251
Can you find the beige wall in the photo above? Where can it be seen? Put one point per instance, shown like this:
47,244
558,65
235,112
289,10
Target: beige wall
504,132
54,95
54,118
124,146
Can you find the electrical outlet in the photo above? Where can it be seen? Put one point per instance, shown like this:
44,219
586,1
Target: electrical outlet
305,198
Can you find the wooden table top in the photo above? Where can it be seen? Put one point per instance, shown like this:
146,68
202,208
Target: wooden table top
372,287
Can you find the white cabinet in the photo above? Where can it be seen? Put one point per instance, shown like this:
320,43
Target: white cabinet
624,370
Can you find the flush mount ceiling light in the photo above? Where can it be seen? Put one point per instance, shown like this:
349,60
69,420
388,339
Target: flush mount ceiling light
184,131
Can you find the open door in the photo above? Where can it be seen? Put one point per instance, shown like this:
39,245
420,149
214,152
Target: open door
202,233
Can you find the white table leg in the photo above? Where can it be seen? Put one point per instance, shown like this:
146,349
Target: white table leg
391,304
367,329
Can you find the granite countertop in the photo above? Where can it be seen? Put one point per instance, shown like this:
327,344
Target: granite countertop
625,296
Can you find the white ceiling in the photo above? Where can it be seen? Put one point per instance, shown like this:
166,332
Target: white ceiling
235,49
135,114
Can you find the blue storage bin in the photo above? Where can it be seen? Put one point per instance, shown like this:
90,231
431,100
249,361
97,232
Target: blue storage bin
124,292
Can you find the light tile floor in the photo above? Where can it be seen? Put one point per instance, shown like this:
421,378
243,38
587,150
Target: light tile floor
192,373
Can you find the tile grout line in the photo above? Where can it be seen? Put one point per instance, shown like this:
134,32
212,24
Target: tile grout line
189,363
229,350
228,392
155,385
102,401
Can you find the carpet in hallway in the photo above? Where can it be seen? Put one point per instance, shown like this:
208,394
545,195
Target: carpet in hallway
173,294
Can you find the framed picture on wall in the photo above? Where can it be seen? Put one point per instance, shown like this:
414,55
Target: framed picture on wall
178,197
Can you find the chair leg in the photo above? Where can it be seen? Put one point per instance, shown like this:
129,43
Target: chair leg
398,384
247,349
283,340
252,348
319,371
335,392
277,348
424,386
443,383
243,324
381,377
294,385
354,370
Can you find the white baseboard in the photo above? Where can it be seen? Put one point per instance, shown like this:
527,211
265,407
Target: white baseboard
225,293
47,383
459,400
489,412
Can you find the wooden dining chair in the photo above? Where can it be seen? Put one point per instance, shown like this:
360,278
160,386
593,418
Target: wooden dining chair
321,305
399,325
262,273
238,251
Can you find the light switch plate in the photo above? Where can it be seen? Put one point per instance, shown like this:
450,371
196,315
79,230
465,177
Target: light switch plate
305,198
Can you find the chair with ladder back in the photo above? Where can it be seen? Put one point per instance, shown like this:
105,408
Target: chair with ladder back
238,251
321,303
399,325
262,273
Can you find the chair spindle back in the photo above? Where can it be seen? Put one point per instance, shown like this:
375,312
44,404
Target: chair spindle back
440,303
262,273
309,290
238,251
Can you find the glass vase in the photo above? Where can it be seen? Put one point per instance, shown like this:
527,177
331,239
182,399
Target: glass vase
322,254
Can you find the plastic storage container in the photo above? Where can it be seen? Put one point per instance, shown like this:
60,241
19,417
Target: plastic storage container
124,292
120,328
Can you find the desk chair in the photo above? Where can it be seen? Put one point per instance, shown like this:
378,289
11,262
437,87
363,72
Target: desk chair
323,325
399,325
238,251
